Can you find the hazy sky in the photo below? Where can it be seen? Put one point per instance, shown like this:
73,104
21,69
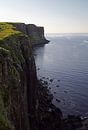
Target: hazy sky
56,16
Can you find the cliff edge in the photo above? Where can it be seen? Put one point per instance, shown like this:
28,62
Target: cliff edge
35,33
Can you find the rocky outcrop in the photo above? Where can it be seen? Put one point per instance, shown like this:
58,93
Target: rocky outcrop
35,33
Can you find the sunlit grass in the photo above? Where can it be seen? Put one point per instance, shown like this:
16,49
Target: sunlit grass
7,29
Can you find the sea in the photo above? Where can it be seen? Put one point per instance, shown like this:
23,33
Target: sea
63,63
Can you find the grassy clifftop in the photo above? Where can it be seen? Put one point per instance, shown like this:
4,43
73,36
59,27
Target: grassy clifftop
7,29
35,33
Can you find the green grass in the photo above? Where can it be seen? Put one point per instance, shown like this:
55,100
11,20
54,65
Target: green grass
7,29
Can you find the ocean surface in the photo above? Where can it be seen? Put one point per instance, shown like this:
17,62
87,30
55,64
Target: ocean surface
65,60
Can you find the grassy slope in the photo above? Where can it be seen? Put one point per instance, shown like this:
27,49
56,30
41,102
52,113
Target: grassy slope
7,29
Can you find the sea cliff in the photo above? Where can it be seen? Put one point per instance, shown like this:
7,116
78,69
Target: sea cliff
35,33
26,103
17,79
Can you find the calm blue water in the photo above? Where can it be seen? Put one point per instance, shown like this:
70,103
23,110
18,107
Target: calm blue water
65,59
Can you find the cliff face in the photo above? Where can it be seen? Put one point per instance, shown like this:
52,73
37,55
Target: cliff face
24,103
17,80
35,33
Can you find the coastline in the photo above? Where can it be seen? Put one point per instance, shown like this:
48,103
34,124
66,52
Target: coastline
71,122
26,103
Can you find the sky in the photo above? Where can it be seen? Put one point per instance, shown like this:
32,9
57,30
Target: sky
57,16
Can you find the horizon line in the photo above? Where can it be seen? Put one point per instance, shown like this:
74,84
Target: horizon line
67,33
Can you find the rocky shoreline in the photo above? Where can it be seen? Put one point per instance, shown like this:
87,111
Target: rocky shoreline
51,117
